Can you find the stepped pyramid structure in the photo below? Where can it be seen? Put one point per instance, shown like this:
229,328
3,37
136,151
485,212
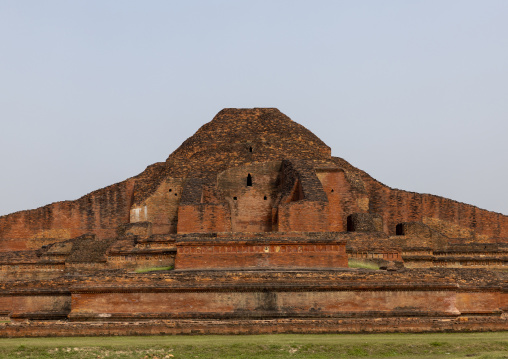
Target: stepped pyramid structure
254,223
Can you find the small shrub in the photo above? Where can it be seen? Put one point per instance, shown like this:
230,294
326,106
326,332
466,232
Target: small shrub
152,269
355,263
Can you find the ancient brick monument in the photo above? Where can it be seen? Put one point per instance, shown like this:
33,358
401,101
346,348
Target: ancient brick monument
254,223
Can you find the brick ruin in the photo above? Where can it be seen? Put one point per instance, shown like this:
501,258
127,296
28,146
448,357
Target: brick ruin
254,223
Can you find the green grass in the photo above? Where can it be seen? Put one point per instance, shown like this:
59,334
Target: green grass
152,269
447,345
355,263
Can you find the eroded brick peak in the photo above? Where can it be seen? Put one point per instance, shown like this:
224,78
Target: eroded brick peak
236,136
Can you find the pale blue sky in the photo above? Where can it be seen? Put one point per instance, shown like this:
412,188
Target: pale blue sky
412,92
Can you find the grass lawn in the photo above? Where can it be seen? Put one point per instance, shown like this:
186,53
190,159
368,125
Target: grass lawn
448,345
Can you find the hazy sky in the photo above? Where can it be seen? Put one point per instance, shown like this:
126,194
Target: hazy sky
413,92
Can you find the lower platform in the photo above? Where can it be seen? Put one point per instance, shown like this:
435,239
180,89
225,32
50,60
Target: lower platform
244,326
262,301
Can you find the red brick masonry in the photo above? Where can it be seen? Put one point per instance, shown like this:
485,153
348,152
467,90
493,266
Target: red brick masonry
261,254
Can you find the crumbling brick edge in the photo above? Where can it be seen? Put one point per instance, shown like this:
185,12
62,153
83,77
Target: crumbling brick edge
245,327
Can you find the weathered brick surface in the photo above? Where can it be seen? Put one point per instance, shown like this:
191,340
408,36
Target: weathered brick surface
262,304
250,206
343,198
254,326
479,302
457,219
258,219
236,300
203,218
261,253
56,305
99,212
210,169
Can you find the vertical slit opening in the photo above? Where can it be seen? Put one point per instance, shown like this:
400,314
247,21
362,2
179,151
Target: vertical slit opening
249,180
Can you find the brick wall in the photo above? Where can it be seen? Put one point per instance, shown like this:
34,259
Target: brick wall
99,212
261,254
162,207
261,304
250,206
455,219
254,326
303,216
52,306
342,199
203,218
